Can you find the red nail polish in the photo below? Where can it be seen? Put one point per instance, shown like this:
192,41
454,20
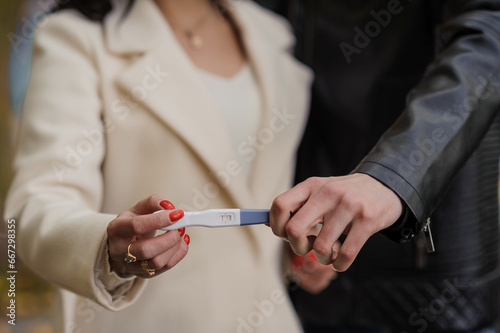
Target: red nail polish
296,261
187,239
176,215
167,205
182,231
312,256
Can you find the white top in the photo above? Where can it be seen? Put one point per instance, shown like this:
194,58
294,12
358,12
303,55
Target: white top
239,102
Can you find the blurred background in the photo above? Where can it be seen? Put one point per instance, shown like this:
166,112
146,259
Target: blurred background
33,296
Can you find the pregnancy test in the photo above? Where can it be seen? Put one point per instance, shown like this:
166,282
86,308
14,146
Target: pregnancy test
215,218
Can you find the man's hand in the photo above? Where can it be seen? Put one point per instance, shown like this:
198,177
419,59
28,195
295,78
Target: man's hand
356,205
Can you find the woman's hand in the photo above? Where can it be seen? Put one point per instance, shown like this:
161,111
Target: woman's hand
309,273
133,247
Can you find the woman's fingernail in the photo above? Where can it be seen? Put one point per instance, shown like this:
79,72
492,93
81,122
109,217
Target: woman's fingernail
176,215
312,256
187,239
297,261
182,231
167,205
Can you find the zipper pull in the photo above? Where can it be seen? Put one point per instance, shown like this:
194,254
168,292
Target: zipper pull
429,242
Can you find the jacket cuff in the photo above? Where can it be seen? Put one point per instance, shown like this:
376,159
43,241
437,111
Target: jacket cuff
409,224
113,291
400,231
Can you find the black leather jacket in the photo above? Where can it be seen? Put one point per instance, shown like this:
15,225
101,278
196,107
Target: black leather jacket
409,93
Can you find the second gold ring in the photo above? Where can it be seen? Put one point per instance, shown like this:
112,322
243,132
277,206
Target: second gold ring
145,266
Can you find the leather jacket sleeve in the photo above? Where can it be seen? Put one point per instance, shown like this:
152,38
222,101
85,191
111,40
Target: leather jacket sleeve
446,114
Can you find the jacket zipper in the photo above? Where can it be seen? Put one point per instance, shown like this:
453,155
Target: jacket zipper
423,244
429,242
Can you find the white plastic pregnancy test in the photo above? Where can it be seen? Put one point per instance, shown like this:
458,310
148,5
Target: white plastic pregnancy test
215,218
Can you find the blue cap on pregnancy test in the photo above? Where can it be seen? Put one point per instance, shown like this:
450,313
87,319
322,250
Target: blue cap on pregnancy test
254,216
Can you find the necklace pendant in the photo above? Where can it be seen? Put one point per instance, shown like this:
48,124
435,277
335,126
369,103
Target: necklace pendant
195,40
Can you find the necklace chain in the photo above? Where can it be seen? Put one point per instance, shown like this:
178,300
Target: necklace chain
192,35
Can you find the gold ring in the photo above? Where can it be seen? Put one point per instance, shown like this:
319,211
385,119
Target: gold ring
148,270
130,258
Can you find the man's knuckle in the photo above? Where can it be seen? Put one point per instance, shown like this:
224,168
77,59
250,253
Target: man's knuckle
314,181
279,204
350,203
348,252
293,230
370,214
322,247
300,251
330,192
369,226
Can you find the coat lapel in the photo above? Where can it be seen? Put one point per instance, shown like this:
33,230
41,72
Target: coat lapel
181,101
284,84
145,36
